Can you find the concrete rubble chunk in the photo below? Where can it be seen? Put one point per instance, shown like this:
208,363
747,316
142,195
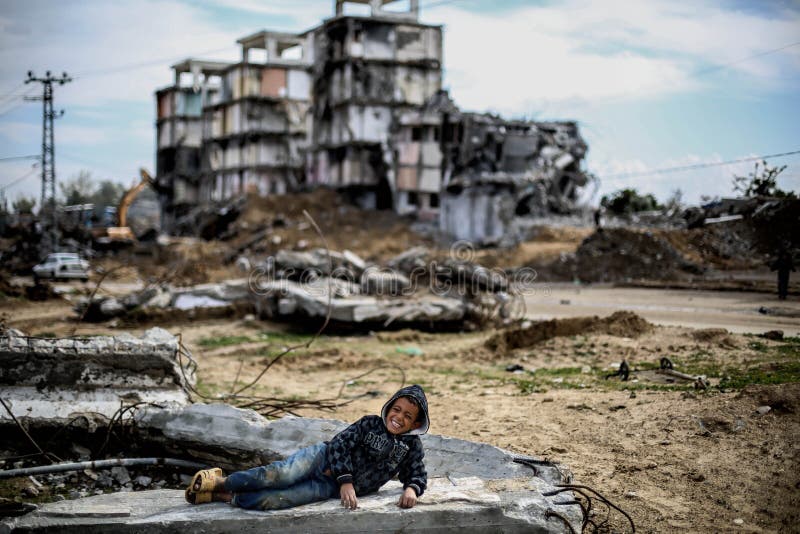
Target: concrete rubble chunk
274,299
385,283
55,379
411,259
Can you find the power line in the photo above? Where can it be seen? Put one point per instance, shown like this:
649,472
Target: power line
694,166
141,65
12,158
741,60
14,90
18,180
10,105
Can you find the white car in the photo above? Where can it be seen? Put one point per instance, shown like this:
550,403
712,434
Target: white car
62,265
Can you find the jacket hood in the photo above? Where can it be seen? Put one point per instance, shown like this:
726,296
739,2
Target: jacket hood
416,393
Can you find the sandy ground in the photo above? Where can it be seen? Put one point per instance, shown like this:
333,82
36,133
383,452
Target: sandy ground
673,457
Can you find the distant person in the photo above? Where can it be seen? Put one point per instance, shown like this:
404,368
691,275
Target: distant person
784,265
598,219
357,461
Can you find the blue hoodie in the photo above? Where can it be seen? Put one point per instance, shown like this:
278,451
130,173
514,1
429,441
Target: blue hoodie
367,455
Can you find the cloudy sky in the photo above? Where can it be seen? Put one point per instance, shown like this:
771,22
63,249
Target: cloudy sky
654,84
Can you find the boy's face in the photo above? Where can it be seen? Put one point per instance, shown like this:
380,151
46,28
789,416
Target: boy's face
402,416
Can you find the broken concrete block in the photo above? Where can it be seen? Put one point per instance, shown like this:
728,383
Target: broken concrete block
162,299
228,291
379,282
415,258
120,474
354,260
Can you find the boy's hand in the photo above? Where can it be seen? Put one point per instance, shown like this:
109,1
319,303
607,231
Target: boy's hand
348,495
408,499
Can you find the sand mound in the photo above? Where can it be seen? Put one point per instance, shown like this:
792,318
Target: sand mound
621,323
783,398
717,336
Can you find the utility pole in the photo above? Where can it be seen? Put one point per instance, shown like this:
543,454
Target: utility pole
48,156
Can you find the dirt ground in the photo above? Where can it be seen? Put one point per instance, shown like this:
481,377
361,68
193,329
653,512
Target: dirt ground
674,457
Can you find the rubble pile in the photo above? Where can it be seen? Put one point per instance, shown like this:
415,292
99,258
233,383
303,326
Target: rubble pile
209,221
619,254
7,289
504,171
723,246
69,486
19,248
410,288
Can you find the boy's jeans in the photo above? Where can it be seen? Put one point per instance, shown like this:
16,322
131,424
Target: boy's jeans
297,480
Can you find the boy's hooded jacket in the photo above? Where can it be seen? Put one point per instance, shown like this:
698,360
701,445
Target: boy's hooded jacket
368,455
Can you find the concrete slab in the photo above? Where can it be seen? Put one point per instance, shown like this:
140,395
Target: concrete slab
54,379
235,439
463,504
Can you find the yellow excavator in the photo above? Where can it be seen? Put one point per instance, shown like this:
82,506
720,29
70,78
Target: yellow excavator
122,233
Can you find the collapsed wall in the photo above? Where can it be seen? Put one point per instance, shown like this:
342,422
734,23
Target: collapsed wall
499,170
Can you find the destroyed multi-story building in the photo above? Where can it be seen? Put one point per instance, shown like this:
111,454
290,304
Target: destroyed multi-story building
356,104
367,71
180,139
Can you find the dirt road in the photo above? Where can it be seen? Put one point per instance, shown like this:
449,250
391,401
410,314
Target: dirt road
735,311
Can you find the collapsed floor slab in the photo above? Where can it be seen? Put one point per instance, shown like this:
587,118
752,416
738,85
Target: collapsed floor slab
464,504
54,379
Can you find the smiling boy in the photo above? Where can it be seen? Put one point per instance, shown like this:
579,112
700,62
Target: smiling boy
356,462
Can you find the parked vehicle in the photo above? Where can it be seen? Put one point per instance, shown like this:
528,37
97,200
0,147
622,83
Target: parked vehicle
62,265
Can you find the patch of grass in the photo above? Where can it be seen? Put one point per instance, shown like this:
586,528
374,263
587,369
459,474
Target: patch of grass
773,373
559,371
526,387
223,341
648,365
757,346
696,356
790,347
285,338
542,379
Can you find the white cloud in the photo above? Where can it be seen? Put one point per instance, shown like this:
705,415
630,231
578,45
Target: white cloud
303,13
104,36
580,50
